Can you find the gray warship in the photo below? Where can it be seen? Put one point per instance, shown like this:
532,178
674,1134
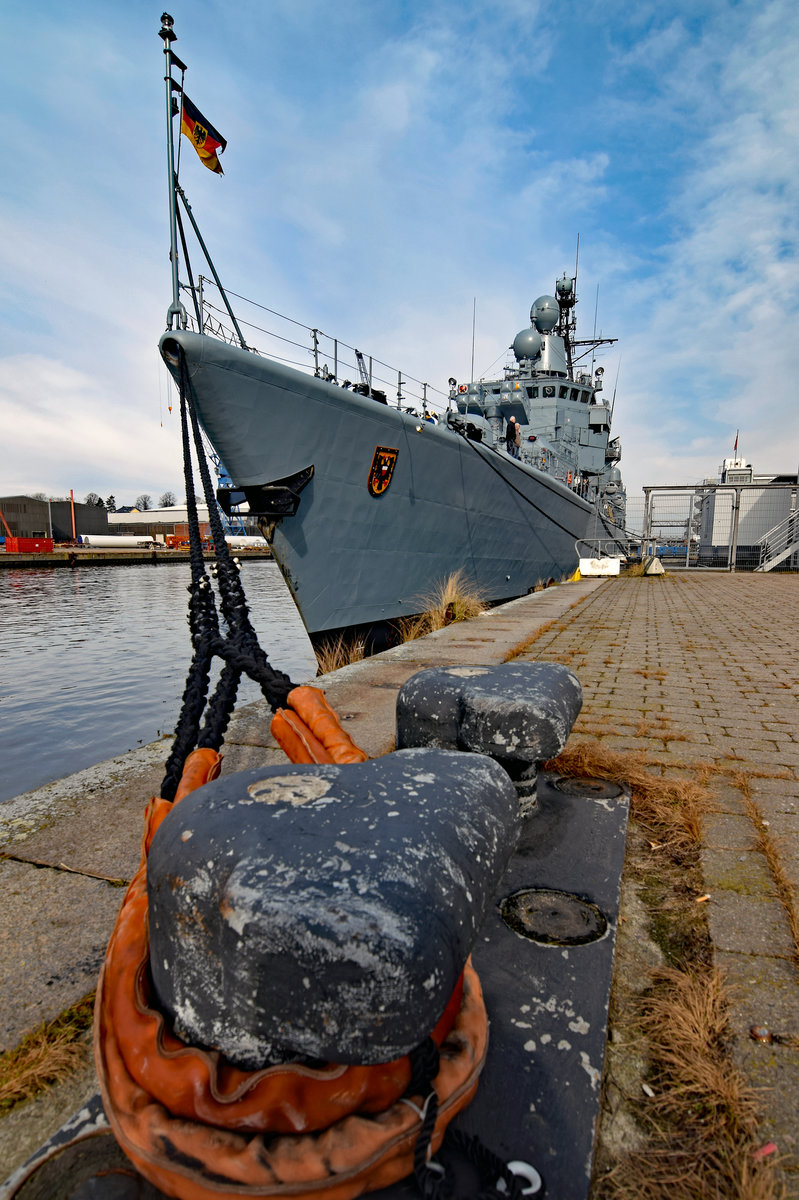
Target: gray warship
369,506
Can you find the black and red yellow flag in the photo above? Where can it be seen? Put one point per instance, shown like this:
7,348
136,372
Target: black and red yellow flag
202,135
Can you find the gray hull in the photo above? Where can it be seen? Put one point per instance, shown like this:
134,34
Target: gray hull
352,558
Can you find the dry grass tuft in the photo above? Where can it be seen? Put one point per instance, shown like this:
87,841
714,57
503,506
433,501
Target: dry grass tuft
527,643
339,652
702,1118
670,809
454,600
769,848
47,1055
685,1020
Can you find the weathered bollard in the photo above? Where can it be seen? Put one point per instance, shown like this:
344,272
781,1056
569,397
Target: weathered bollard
520,714
288,1005
325,911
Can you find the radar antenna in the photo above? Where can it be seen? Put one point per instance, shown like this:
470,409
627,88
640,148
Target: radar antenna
566,292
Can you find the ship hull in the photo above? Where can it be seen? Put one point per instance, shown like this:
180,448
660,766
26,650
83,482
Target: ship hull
353,558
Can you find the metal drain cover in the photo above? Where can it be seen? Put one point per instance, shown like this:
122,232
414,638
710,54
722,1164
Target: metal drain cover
584,785
553,918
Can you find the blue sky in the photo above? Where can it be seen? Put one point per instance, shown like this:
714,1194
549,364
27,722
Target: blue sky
387,165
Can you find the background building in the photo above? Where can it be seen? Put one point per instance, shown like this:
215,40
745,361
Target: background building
27,517
167,521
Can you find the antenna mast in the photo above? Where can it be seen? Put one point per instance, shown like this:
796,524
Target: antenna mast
176,311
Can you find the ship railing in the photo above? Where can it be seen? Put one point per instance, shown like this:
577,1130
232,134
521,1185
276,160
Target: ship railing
610,547
312,351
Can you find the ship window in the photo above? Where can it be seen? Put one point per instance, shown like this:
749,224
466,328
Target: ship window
530,393
585,397
495,391
563,393
534,395
575,394
549,390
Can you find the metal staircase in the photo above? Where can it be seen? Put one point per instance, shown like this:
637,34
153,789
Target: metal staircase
779,543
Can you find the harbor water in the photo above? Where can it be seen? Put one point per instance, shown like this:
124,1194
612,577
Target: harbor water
93,661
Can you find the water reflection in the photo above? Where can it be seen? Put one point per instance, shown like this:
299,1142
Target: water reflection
93,661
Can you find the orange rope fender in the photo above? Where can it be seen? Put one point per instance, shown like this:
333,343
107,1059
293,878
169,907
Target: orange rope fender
359,1153
196,1126
310,731
201,767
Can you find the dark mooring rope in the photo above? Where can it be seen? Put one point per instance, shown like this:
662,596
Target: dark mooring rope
239,649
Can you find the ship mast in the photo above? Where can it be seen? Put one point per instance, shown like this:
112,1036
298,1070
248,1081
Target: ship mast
176,311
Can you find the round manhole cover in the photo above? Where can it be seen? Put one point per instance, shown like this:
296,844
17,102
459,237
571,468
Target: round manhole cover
553,918
584,785
91,1168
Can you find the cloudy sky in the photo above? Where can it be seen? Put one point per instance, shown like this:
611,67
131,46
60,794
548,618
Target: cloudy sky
391,165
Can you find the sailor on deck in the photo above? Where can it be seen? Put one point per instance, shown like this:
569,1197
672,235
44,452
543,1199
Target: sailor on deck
513,437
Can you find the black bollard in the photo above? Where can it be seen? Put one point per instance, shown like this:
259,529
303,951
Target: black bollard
520,714
325,911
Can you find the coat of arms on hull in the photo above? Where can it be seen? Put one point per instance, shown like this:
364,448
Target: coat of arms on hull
382,469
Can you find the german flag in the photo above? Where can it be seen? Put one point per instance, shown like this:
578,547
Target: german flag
202,135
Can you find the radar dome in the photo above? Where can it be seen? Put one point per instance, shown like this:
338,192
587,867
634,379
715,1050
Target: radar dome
564,286
527,344
544,314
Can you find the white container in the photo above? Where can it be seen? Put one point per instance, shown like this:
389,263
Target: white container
600,566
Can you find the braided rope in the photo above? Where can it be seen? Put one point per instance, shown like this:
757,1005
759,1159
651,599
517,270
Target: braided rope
432,1179
239,649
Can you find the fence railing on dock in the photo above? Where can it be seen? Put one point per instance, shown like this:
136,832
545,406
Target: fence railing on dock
721,526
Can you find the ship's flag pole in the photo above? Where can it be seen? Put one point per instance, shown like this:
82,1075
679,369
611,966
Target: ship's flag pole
176,310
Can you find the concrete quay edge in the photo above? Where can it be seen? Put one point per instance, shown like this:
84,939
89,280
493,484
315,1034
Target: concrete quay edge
68,848
693,669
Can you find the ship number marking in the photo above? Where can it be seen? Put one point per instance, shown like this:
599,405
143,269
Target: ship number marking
382,469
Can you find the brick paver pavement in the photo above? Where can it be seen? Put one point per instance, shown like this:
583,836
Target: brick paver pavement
702,668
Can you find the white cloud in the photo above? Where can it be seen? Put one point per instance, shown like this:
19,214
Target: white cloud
67,433
419,158
711,349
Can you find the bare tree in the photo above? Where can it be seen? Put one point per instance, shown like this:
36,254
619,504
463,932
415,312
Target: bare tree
93,498
167,500
144,502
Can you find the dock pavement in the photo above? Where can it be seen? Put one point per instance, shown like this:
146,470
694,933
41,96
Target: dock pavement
690,668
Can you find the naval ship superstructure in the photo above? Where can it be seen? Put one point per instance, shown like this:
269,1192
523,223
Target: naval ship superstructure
565,421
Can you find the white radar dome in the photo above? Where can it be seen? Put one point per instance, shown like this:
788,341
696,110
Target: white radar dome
527,344
544,314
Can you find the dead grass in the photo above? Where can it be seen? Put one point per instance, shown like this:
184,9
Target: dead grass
697,1131
455,599
702,1118
769,848
47,1055
339,652
637,570
527,643
685,1020
671,809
